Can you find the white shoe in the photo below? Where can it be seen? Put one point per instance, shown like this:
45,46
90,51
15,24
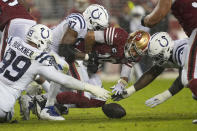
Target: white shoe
194,121
26,103
49,113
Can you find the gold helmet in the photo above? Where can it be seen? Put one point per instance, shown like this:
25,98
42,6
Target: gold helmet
136,45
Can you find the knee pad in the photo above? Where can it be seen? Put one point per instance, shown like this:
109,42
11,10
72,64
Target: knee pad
193,86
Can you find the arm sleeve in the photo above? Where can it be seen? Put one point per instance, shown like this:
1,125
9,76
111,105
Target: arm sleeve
125,71
177,85
99,36
50,73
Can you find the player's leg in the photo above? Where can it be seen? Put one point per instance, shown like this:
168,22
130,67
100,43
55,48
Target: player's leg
49,112
5,116
82,99
191,63
26,104
79,100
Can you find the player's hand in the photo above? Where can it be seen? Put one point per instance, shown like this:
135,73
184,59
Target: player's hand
125,93
119,87
97,91
92,57
92,62
158,99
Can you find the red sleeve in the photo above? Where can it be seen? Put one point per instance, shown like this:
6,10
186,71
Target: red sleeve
115,36
10,10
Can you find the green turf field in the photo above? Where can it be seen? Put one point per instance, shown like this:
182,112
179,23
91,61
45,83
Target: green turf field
175,115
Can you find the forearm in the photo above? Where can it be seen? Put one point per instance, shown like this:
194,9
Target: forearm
125,72
148,77
58,77
176,86
160,11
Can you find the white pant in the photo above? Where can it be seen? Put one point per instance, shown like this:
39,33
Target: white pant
7,98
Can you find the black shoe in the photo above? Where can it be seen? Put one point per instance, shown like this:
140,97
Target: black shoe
61,109
39,104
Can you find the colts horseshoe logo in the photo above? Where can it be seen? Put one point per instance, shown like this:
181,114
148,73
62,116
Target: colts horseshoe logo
96,15
163,44
42,32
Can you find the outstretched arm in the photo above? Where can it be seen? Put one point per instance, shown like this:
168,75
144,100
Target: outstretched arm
159,12
144,80
162,97
50,73
148,77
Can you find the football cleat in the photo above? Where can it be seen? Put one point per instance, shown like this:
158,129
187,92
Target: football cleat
61,109
39,104
49,113
26,104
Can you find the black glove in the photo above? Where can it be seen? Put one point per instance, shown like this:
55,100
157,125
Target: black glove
117,97
67,51
92,63
93,58
92,68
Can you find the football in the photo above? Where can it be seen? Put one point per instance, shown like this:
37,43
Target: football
114,110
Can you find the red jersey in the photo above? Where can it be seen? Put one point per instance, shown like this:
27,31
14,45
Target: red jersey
10,9
186,13
113,48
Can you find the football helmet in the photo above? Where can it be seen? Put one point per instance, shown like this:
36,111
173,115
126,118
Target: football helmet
136,45
160,47
96,17
41,35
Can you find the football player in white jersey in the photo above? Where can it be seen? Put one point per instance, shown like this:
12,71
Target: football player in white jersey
166,54
68,34
23,61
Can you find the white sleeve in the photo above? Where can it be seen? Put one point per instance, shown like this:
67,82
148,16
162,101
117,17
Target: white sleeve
77,23
125,71
50,73
99,36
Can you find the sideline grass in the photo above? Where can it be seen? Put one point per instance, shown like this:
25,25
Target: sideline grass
175,115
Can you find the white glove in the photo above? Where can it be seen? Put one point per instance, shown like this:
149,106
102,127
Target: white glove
97,91
126,93
158,99
119,87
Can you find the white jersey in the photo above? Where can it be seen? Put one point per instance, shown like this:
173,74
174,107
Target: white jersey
19,66
180,51
76,22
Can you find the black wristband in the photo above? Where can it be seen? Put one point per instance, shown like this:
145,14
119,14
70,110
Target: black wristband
142,21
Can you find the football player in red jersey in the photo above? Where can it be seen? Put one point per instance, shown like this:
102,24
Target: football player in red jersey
111,45
15,20
186,13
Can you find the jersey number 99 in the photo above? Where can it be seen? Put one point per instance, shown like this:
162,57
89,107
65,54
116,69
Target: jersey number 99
19,65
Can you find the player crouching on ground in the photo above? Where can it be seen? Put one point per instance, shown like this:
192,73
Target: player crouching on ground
168,54
23,61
